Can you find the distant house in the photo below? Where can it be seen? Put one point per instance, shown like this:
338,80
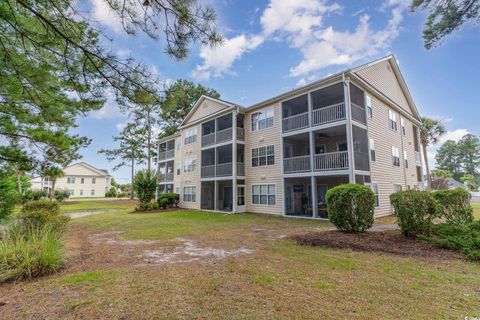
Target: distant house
453,184
81,179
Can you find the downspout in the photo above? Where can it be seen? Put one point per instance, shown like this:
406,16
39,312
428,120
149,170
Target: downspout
346,94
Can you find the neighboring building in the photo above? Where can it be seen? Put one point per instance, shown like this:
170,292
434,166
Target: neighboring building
81,179
359,125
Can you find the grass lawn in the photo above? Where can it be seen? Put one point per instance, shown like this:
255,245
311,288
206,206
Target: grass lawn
190,264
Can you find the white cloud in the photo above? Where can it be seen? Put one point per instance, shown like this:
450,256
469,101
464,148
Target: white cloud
301,23
120,126
102,13
124,52
109,111
217,61
454,135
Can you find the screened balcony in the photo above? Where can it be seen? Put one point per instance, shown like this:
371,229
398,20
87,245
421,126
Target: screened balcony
166,150
221,130
357,104
166,171
296,153
217,162
328,105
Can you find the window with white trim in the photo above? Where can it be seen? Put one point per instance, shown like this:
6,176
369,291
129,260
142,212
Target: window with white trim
397,187
369,107
190,164
402,124
191,135
82,180
190,194
94,180
396,156
92,192
392,116
405,158
70,179
81,192
372,150
262,119
263,156
263,194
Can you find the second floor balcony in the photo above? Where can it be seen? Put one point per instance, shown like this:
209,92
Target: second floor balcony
166,150
217,162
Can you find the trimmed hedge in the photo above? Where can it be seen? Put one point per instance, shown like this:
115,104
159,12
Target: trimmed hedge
415,211
171,199
454,205
351,207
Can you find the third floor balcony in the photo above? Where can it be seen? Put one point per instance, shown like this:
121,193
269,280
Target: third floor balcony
220,130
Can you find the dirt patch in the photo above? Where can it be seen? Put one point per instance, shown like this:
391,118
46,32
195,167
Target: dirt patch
121,202
390,242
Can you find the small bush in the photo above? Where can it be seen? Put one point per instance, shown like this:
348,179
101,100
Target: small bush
415,211
145,185
61,195
462,237
28,253
146,206
43,212
163,203
351,207
111,193
454,205
171,198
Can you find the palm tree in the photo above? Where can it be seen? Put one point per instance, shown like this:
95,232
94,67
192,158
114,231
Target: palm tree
430,132
53,173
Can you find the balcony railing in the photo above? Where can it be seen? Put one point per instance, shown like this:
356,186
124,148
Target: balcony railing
296,164
331,161
223,169
358,113
328,114
208,139
208,171
240,169
241,134
166,177
296,122
224,135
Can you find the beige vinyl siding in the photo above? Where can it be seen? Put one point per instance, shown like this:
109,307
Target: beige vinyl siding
266,174
79,171
190,178
177,179
206,108
409,147
383,172
384,79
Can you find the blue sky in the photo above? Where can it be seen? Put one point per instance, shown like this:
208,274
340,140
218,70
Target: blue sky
276,45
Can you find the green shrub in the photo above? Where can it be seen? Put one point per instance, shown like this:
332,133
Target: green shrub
454,205
351,207
415,211
8,200
145,185
61,195
142,206
28,253
43,212
163,203
171,198
462,237
111,193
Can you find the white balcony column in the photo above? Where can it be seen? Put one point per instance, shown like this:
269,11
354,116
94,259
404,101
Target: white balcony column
314,196
234,161
215,195
348,113
310,109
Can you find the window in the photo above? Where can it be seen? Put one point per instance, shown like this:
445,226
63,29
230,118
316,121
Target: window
397,187
372,149
369,107
263,194
81,192
177,190
263,156
71,192
70,179
396,157
190,164
262,119
179,169
82,180
374,187
405,158
92,192
241,196
191,136
393,120
94,180
190,194
402,124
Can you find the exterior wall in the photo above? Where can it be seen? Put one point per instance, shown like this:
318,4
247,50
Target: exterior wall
206,108
382,78
101,185
177,178
267,174
383,172
190,178
409,147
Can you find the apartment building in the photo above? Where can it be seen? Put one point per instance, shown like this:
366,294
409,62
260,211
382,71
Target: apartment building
280,156
82,180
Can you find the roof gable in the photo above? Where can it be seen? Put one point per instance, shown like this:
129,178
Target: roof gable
206,106
83,168
384,74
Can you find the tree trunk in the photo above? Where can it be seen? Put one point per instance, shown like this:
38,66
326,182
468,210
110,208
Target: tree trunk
52,190
131,183
427,167
19,181
149,137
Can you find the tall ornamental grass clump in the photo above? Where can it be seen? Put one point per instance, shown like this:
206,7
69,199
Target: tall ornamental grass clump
351,207
454,205
415,211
